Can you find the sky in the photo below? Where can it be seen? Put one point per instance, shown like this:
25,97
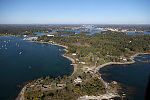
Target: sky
74,11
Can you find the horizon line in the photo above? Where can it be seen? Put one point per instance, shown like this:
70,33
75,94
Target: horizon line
73,24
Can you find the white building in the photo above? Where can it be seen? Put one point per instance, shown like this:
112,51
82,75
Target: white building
24,35
50,35
78,80
124,59
74,54
82,62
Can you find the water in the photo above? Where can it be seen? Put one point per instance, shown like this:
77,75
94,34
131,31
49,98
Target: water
91,32
21,61
39,34
133,33
65,35
133,78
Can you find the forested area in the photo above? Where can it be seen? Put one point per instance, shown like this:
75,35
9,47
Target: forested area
18,29
90,85
105,47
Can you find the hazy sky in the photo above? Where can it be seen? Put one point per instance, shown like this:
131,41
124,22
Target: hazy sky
74,11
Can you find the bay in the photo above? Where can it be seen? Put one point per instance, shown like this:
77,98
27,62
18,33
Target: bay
22,61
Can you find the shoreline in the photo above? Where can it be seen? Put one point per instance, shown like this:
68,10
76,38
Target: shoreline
21,94
63,55
119,63
108,91
109,94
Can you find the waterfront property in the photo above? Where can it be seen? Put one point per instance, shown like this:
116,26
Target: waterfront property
132,77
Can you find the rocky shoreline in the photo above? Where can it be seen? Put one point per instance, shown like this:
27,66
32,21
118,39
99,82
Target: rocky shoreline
106,96
21,94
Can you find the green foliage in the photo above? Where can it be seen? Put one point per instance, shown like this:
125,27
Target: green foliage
28,34
108,46
90,86
93,87
66,32
18,29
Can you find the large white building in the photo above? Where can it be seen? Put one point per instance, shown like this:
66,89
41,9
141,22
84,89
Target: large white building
50,35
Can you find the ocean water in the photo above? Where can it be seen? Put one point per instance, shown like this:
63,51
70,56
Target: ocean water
133,77
22,61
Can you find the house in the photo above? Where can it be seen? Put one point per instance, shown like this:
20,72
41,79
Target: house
74,54
50,41
24,35
77,59
120,57
50,35
82,62
124,59
78,80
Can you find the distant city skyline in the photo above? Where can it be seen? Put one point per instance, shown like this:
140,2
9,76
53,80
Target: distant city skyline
74,12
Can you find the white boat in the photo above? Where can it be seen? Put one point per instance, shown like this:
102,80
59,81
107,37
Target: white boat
20,53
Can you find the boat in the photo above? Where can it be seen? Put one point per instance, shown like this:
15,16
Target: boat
20,53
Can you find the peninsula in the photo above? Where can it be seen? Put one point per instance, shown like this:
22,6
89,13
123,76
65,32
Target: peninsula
88,54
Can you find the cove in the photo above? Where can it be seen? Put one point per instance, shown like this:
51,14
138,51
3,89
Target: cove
22,61
132,77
